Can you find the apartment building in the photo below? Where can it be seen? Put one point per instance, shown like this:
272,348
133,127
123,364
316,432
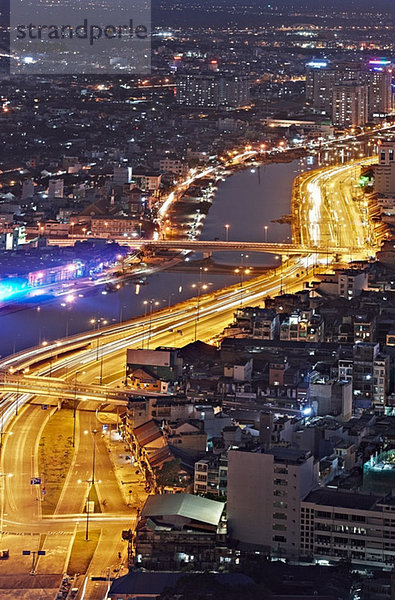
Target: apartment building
178,167
302,326
384,171
211,476
264,493
344,525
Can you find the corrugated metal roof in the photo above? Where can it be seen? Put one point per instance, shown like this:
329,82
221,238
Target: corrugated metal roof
147,432
184,505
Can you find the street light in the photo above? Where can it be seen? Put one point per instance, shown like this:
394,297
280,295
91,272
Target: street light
67,304
200,286
266,230
241,272
75,404
169,299
149,303
227,233
26,370
96,326
94,433
92,482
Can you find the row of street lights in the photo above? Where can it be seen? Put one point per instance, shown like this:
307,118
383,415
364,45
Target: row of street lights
265,229
97,323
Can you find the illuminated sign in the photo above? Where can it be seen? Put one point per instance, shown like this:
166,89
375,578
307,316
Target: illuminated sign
318,64
380,61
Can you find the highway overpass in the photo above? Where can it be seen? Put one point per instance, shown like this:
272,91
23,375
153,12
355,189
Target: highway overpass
52,387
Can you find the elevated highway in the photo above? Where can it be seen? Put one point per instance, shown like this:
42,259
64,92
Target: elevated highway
53,387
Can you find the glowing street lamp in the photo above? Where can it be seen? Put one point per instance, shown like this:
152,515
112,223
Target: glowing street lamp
200,286
75,404
92,481
149,303
241,272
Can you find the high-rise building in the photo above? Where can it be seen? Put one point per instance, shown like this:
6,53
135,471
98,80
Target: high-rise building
381,369
321,78
384,171
265,489
370,376
350,104
234,90
380,92
198,89
380,86
319,85
212,90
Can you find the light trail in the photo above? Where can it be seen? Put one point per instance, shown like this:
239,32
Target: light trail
329,189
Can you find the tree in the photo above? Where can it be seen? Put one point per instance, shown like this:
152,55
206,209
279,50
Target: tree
168,474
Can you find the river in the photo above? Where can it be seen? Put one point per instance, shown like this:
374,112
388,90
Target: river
247,202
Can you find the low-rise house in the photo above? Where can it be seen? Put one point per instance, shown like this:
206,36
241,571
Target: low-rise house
187,434
180,529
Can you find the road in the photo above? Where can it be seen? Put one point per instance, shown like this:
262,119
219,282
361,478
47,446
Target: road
23,527
326,214
337,216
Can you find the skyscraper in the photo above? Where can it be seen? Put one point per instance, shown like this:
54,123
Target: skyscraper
350,104
319,85
380,91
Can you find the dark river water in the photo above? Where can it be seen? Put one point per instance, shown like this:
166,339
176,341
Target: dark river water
246,201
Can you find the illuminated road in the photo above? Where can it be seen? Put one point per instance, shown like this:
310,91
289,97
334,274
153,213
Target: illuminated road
331,211
326,215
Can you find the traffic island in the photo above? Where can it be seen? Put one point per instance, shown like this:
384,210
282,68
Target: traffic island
82,551
94,500
55,455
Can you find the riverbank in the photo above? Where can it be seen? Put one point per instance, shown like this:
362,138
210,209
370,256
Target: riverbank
251,201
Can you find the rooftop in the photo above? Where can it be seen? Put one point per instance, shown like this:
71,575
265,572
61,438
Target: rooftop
147,433
326,497
184,505
150,583
289,454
